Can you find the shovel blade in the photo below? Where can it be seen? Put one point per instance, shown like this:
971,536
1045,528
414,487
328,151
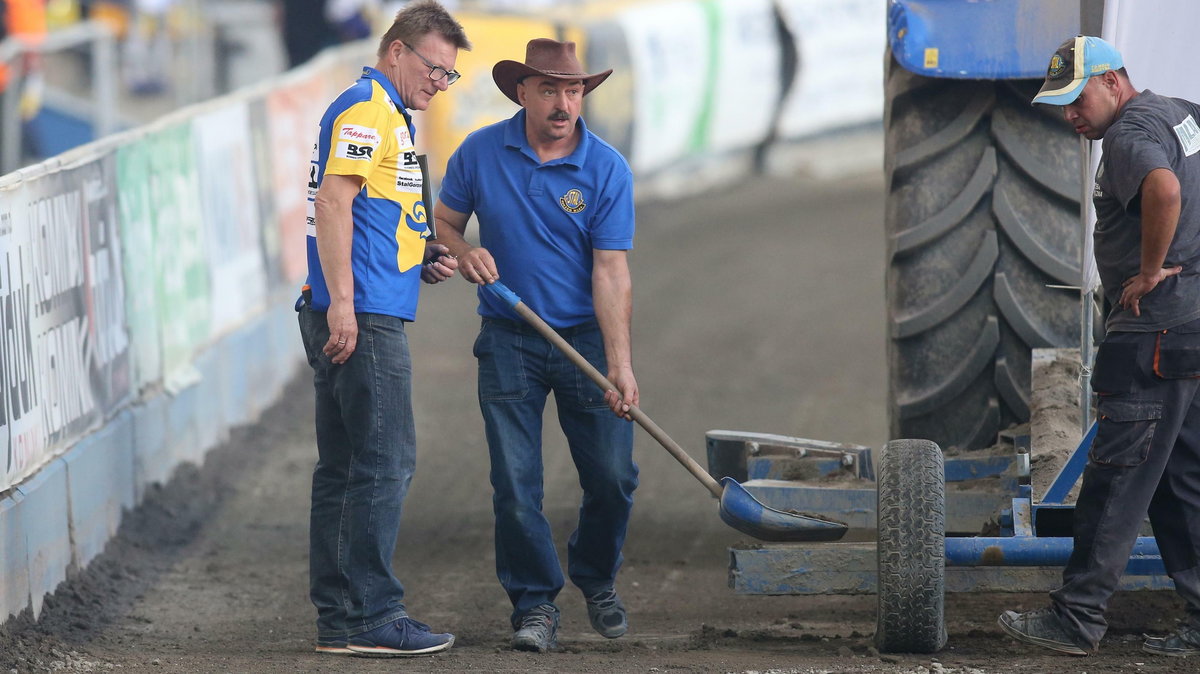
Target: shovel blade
740,510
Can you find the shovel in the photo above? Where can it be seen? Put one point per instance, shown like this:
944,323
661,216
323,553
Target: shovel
739,509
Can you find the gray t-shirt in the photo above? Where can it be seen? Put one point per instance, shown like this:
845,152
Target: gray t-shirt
1150,132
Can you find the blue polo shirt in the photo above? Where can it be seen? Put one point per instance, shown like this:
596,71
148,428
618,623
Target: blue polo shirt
541,222
366,133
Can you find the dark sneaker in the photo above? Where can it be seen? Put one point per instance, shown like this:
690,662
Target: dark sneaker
335,645
1181,643
401,637
537,630
607,614
1040,628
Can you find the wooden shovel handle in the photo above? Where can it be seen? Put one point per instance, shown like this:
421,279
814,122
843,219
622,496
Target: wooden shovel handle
638,415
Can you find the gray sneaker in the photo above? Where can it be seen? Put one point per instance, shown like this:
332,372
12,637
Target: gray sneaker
537,630
607,614
1181,643
1040,628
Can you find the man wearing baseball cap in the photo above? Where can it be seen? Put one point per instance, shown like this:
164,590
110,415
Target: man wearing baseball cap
555,210
1145,459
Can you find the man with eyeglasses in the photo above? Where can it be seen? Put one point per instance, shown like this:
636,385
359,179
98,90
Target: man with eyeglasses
367,254
555,210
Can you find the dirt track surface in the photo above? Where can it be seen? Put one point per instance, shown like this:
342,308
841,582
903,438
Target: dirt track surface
760,309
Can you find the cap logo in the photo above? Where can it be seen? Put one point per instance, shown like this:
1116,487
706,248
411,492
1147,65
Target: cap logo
572,201
1057,66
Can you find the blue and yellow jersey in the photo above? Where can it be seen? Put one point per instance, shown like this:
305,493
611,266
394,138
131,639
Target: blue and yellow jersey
367,133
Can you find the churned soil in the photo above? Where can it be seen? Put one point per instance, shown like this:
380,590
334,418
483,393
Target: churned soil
758,309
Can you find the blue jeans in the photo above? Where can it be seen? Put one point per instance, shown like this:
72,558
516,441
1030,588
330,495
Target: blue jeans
1145,460
518,369
366,447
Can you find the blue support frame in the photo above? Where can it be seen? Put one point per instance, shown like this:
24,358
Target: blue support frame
1028,555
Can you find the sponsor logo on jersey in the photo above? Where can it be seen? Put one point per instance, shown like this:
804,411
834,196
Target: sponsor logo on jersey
354,151
359,134
572,201
1189,136
417,220
408,181
402,137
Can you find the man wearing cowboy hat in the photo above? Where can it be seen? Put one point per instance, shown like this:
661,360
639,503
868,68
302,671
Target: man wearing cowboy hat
555,209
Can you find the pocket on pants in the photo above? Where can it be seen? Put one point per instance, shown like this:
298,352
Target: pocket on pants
1177,355
590,345
314,335
501,365
1126,431
1116,367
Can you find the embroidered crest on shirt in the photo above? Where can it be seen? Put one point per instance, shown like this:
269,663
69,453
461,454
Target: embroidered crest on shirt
1189,136
572,201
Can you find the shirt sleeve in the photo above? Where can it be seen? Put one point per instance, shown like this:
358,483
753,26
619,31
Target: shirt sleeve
1131,156
457,189
356,139
612,223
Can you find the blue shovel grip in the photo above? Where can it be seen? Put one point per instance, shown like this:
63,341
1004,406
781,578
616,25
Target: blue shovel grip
502,293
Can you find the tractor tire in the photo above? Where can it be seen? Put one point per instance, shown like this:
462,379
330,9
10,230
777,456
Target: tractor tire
912,548
982,217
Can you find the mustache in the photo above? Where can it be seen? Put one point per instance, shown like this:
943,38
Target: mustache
559,116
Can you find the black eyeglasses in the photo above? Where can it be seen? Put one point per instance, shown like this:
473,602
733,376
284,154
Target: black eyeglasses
436,72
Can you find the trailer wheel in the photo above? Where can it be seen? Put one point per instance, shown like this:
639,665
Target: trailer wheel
982,225
912,548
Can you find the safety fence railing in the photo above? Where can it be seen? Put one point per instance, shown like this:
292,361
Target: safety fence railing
97,37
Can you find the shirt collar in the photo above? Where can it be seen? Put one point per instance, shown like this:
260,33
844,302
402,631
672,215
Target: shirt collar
387,85
373,74
514,137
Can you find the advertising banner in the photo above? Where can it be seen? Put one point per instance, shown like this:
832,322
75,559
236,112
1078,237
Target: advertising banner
229,203
135,204
744,50
839,81
670,53
65,349
264,188
292,116
21,427
181,263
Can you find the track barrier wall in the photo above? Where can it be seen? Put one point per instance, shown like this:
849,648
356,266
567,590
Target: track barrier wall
147,279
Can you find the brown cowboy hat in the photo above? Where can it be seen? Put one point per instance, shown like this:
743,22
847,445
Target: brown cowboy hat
549,58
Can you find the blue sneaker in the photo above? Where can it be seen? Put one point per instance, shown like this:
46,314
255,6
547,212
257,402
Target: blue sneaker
401,637
607,614
334,645
537,630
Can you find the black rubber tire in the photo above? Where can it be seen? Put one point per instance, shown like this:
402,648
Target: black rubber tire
912,548
982,215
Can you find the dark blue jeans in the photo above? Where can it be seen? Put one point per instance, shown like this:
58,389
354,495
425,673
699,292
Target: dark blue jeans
1145,460
366,448
518,369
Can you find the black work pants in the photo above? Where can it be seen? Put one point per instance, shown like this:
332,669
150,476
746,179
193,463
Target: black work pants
1145,460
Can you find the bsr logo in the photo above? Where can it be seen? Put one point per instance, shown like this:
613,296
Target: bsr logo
362,151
